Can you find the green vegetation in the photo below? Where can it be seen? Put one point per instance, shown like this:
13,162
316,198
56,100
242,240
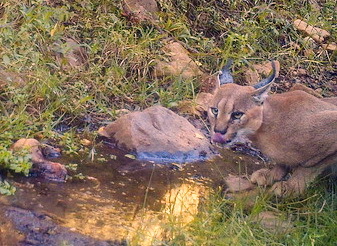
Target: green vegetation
44,93
230,222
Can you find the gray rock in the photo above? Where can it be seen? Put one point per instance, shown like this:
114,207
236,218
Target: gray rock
158,134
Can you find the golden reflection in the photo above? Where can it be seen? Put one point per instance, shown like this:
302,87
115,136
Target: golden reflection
112,220
180,205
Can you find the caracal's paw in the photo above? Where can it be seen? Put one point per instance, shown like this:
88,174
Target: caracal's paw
261,177
287,189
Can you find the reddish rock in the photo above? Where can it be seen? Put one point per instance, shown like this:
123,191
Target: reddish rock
332,46
209,83
45,168
179,62
160,135
316,33
259,71
140,10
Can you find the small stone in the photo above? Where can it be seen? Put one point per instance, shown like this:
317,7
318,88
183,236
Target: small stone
140,10
332,46
209,83
301,71
253,75
70,53
179,62
188,107
49,170
316,33
85,142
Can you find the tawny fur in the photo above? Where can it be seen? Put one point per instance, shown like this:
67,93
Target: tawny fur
295,130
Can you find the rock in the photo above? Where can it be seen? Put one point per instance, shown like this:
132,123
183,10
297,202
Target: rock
188,107
160,135
332,46
209,83
70,54
252,77
318,34
85,142
254,74
302,71
49,170
302,87
197,107
272,221
180,63
39,229
11,78
238,184
140,10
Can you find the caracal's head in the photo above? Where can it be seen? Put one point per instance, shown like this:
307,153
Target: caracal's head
235,111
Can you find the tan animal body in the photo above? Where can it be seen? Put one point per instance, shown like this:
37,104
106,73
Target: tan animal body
295,130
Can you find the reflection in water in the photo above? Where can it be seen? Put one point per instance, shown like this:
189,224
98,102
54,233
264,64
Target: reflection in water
128,199
180,205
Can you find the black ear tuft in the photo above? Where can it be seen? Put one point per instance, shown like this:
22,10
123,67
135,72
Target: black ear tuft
261,94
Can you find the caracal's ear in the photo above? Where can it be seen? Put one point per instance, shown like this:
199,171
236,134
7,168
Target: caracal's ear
263,87
225,76
261,94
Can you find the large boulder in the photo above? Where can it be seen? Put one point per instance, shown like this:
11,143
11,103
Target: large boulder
158,134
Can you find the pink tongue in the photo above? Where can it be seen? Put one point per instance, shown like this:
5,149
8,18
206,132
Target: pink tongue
218,137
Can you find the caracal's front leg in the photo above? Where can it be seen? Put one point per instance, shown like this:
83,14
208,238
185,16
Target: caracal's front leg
301,178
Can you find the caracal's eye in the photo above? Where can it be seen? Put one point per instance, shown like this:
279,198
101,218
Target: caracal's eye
237,115
215,111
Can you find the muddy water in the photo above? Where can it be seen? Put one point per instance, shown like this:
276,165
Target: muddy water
125,199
